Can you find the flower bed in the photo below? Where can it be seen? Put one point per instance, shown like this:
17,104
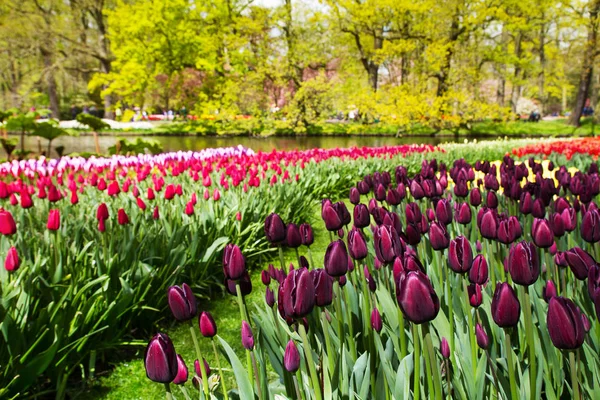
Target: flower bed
91,246
589,146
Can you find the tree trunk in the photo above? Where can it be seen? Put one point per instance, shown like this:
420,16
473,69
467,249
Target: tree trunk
108,111
588,65
516,87
373,71
50,83
501,69
541,76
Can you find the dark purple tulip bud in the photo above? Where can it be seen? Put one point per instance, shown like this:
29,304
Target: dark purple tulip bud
443,211
293,238
593,280
586,322
460,188
323,287
424,225
291,357
580,262
380,192
482,338
269,297
569,219
363,187
342,280
376,322
182,302
199,370
463,214
234,263
561,204
542,233
539,209
416,297
357,245
548,291
160,359
387,244
274,228
244,282
340,233
297,293
478,246
208,327
479,270
488,226
412,234
416,190
560,259
509,230
590,226
460,255
506,308
565,324
526,203
523,263
354,196
265,277
247,337
182,372
445,348
393,197
438,236
336,258
413,213
552,250
475,197
475,296
362,218
372,284
373,205
430,214
331,217
491,200
342,210
491,182
303,262
306,233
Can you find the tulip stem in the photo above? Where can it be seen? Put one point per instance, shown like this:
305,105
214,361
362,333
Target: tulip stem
526,304
310,257
298,258
204,377
417,362
310,362
403,346
281,258
330,351
435,372
350,324
471,330
240,299
493,371
298,393
511,367
338,311
492,264
220,369
256,374
574,381
168,390
448,379
185,392
450,312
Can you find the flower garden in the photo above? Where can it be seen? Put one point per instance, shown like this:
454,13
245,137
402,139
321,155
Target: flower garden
460,271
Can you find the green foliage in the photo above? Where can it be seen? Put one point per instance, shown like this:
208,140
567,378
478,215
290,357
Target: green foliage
94,123
137,146
9,145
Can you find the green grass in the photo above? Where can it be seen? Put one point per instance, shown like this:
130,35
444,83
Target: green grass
483,128
126,380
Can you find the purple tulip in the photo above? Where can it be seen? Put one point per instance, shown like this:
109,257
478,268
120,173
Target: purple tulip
416,297
306,233
160,359
460,255
526,203
580,262
538,210
475,296
549,291
387,244
297,294
291,357
354,196
463,214
208,327
488,223
182,372
443,211
274,228
542,233
199,370
323,287
569,219
482,338
362,218
509,230
293,238
376,322
265,277
182,302
506,308
523,263
343,214
234,262
336,258
565,324
475,197
479,270
269,297
445,348
557,224
590,226
357,246
244,282
491,200
438,236
247,336
413,213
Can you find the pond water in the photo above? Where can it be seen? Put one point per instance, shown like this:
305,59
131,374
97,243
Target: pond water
175,143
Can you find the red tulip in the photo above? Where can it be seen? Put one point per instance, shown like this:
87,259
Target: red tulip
53,220
12,261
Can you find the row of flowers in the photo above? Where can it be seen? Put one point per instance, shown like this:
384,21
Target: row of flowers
585,146
458,266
